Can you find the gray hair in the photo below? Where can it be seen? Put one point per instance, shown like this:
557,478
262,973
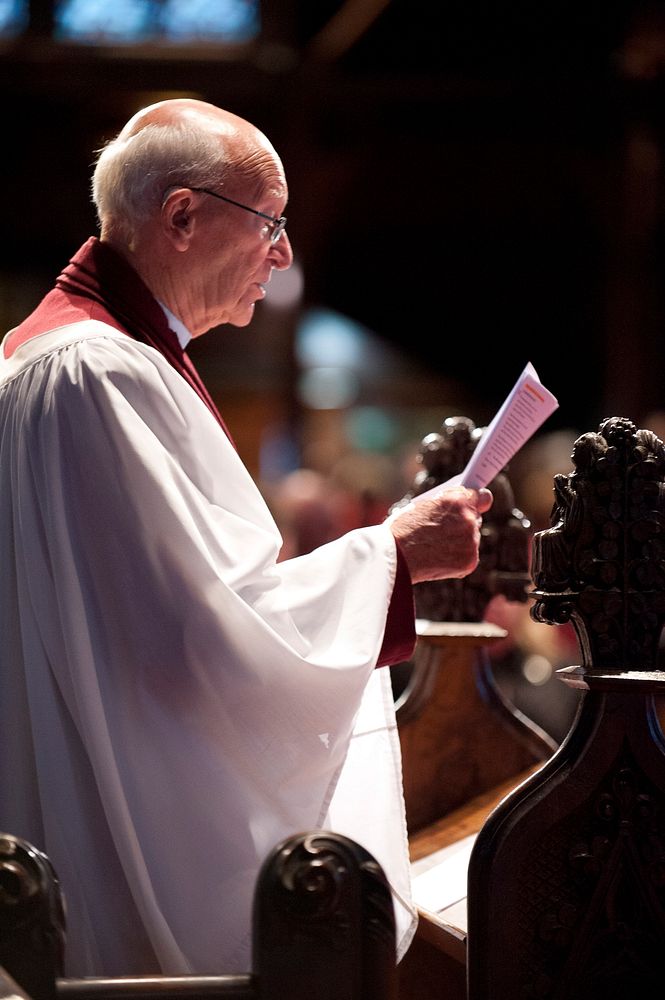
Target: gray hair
133,172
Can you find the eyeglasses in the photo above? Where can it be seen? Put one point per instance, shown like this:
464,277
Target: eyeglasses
279,225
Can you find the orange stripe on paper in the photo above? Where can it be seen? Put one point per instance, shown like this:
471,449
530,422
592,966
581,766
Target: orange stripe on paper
530,388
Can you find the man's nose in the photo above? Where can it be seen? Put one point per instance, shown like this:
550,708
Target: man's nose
282,253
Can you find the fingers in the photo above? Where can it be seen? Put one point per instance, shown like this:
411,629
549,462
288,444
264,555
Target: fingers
480,500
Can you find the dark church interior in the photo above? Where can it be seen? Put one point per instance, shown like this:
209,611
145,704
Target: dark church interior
472,186
478,185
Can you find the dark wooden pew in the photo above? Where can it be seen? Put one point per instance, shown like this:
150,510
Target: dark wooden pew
464,743
464,751
562,868
323,929
566,882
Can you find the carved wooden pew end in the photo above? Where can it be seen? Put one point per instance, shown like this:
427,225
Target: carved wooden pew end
323,929
566,893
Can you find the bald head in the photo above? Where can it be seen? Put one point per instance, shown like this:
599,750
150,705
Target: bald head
173,142
198,114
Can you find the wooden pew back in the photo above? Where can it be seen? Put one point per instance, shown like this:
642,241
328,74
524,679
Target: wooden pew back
323,928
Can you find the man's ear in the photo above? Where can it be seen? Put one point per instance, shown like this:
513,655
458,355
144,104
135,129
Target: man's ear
179,217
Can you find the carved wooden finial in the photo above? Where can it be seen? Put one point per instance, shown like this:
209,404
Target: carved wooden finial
601,564
32,919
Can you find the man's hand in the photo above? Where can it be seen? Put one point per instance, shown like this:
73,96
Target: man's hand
440,537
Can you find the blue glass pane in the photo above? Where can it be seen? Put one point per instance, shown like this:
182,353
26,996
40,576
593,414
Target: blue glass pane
13,17
227,20
101,21
127,21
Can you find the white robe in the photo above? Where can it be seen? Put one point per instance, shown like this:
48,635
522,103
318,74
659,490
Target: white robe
173,700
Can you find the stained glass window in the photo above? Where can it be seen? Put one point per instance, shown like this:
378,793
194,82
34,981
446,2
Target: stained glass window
224,20
13,17
135,21
98,20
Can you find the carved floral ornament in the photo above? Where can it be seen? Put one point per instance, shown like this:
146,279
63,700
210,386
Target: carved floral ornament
601,564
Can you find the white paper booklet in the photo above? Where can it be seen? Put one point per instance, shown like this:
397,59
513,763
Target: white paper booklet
525,409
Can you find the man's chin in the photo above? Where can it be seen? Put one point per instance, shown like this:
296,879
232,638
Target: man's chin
242,317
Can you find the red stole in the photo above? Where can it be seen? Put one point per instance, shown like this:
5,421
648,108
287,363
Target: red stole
99,284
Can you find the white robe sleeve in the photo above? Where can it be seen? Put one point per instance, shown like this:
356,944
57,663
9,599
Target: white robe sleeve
186,701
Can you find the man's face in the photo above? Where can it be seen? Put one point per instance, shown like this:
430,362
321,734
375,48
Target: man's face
235,256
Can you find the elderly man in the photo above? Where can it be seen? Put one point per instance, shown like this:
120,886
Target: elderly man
174,699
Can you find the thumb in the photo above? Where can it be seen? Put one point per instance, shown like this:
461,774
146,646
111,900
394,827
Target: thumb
485,500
